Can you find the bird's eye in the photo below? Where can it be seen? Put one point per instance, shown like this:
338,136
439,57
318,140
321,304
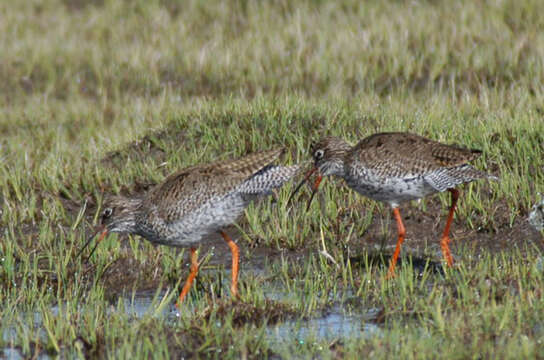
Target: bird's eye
319,154
107,212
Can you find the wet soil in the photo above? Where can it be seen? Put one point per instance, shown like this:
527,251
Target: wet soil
126,274
375,245
421,248
424,230
243,313
377,242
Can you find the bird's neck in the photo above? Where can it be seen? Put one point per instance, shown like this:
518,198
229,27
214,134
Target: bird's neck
333,167
127,221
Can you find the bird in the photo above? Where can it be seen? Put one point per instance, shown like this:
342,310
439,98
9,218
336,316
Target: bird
396,167
193,203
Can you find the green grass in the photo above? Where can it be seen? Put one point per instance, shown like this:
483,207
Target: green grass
109,96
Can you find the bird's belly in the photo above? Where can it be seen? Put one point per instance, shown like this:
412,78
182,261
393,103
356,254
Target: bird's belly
392,190
193,227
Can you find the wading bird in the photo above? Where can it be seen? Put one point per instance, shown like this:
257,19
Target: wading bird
395,168
194,203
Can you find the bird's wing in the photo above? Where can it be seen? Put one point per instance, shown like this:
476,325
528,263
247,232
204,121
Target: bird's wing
193,187
406,155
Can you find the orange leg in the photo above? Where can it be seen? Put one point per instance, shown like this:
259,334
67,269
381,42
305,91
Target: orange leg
192,275
235,259
402,233
445,241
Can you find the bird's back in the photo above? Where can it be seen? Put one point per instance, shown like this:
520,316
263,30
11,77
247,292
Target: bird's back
190,188
401,155
398,167
200,200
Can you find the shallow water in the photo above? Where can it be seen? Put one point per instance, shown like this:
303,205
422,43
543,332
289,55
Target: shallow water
10,353
9,335
147,302
336,323
536,216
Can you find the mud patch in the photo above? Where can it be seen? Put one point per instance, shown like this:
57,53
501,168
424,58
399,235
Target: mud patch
126,274
424,230
241,313
374,258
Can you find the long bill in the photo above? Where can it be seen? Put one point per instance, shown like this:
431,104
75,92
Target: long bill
314,190
104,232
306,177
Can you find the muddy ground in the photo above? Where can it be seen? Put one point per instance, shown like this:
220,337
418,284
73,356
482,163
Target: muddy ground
376,243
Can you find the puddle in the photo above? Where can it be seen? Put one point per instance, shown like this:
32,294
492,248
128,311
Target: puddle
11,353
139,305
31,324
536,216
147,302
15,354
336,324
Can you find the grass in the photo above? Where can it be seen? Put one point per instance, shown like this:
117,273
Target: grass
101,97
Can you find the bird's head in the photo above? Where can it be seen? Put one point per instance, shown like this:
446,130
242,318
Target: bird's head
118,215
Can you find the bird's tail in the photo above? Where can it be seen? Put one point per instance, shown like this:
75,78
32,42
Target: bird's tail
269,178
448,178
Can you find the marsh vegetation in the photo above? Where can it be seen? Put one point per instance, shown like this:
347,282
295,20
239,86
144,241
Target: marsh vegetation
108,97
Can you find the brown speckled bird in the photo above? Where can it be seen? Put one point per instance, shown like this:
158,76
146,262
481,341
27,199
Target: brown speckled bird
196,202
395,168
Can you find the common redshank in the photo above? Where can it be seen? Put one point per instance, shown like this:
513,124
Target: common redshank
394,168
194,203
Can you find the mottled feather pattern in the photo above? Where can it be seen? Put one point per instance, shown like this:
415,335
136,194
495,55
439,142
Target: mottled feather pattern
397,167
447,178
203,199
334,147
193,187
406,155
198,200
223,209
269,178
124,211
250,164
452,155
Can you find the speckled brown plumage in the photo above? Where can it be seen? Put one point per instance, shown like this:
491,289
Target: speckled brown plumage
396,154
405,154
188,189
397,167
197,201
